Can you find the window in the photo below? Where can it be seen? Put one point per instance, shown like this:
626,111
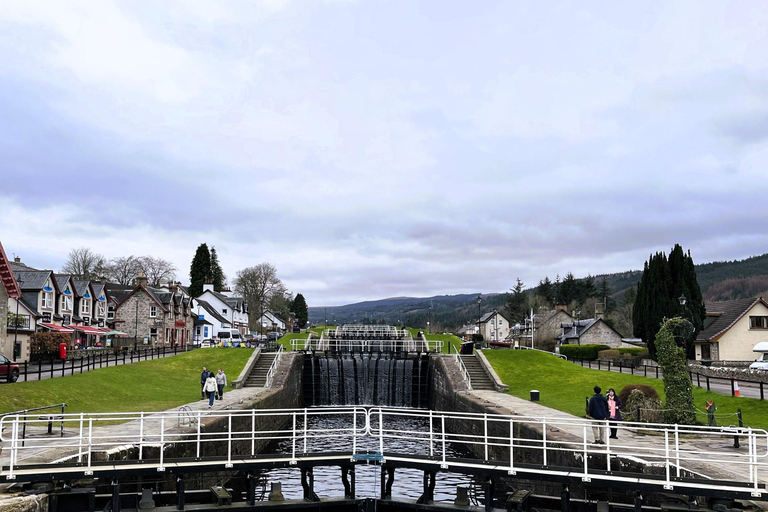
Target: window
47,300
111,313
152,311
153,332
66,303
100,307
224,311
85,307
758,322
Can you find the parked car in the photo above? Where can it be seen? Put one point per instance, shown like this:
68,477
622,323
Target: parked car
249,337
274,336
7,365
207,343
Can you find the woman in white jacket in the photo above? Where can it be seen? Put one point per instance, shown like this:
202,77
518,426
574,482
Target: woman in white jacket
210,388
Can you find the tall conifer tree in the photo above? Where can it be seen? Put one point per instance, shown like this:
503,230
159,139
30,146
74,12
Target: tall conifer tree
200,270
217,274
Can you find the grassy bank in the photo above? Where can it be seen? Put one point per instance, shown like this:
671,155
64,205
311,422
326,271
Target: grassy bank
154,385
564,386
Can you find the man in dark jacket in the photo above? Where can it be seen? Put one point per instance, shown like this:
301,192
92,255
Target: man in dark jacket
203,377
598,410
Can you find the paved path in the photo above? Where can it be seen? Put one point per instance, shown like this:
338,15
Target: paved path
631,441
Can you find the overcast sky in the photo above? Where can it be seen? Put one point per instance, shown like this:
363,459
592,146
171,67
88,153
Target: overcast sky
385,148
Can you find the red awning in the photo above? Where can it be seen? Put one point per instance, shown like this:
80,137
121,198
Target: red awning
87,329
55,327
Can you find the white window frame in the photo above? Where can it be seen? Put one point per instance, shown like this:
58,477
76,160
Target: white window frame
152,311
66,303
85,307
47,300
100,308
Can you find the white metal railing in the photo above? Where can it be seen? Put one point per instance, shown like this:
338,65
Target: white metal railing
273,367
464,370
561,356
697,453
408,345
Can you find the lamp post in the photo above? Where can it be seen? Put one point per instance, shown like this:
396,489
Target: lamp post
479,300
576,312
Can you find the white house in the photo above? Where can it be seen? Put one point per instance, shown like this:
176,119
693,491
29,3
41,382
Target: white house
223,311
731,329
270,322
494,326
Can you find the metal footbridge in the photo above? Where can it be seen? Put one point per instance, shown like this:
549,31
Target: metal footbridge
367,338
692,460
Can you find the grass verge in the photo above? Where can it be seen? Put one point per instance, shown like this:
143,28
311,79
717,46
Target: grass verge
154,385
564,386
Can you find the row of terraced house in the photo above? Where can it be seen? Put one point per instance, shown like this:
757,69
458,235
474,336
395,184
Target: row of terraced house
96,313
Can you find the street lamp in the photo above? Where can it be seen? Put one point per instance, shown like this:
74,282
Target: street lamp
682,300
16,344
479,300
576,312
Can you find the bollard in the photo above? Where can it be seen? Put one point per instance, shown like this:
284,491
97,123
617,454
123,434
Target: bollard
146,501
534,395
462,497
276,492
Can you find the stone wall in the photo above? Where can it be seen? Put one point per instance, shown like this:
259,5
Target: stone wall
723,370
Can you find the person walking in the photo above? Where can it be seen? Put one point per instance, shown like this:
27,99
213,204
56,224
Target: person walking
203,377
210,388
221,381
598,410
614,412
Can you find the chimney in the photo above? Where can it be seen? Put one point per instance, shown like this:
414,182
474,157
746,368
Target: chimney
17,259
561,307
140,280
207,286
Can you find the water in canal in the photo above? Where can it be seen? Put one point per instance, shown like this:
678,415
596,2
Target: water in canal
408,483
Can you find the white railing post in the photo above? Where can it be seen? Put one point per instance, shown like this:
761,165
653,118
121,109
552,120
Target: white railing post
14,446
199,421
544,439
293,441
512,446
485,434
677,450
306,428
666,457
442,422
90,442
431,436
585,457
354,430
162,443
141,437
80,441
253,432
229,441
381,433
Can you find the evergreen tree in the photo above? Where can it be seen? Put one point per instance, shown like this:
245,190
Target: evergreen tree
605,295
300,309
662,283
547,290
678,388
217,274
569,291
200,270
516,303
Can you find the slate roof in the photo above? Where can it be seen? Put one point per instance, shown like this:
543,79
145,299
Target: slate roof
81,287
577,328
32,280
98,289
486,317
724,315
212,311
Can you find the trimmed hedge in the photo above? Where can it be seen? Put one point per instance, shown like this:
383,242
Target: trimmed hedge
585,352
634,351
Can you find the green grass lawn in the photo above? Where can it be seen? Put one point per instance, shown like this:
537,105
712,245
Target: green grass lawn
564,386
154,385
285,340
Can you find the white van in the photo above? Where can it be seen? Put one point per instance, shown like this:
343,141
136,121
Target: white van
230,336
762,361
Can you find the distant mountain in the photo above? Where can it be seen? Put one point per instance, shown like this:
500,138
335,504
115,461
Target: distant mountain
720,280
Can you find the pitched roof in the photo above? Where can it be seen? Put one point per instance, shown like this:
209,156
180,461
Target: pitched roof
81,287
6,276
34,279
725,314
486,317
212,311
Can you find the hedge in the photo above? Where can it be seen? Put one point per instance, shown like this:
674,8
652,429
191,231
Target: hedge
585,352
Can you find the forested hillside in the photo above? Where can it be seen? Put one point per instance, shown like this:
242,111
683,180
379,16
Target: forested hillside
720,280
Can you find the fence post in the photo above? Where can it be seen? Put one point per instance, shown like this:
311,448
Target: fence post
741,424
25,372
707,382
657,372
733,390
762,396
698,380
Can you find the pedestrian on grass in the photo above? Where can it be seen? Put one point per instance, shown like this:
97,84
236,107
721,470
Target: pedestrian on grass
614,406
221,381
210,388
598,410
203,377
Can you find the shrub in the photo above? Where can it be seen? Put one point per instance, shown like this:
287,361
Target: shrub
611,354
643,352
585,352
636,401
547,345
677,380
48,341
645,389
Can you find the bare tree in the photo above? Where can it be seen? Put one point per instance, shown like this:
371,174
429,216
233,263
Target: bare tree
157,270
123,269
83,263
257,285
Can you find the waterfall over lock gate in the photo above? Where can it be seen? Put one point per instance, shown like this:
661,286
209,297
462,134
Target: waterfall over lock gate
396,380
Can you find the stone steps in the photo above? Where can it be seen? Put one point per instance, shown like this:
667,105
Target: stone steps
478,377
258,376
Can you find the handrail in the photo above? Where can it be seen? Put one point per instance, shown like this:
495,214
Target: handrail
561,356
464,370
273,367
495,439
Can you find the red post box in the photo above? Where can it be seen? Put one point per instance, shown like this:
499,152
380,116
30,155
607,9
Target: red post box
63,350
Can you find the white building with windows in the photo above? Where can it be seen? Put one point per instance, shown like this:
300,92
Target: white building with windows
494,326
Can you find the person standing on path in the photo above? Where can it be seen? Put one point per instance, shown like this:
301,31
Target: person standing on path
598,410
614,406
203,377
210,388
221,381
